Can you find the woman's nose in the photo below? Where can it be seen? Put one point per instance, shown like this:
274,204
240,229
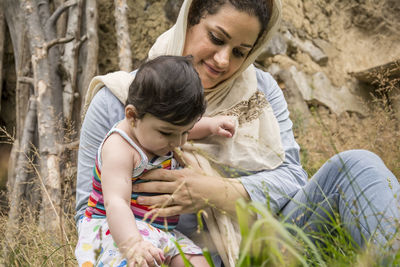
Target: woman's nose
221,58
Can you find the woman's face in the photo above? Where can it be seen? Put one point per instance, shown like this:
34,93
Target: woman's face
220,43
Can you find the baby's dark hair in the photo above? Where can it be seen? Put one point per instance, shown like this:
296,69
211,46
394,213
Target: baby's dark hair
262,9
169,88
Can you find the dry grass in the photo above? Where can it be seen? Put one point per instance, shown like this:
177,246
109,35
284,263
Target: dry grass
378,132
329,134
33,246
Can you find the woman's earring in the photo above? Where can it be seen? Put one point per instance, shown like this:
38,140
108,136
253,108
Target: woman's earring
133,124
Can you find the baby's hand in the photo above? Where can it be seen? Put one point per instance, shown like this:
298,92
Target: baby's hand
222,126
144,254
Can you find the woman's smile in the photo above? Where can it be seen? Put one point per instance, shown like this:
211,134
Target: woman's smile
212,69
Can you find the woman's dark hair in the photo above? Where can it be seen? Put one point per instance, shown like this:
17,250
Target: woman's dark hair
169,88
262,9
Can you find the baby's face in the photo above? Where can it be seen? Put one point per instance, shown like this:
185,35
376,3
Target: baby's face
158,137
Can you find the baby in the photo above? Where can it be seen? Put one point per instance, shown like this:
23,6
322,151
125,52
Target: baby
164,108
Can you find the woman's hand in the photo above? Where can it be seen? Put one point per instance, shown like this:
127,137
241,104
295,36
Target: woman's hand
178,188
188,190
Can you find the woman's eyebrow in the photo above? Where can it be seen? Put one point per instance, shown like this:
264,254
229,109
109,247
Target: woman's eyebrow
224,32
229,37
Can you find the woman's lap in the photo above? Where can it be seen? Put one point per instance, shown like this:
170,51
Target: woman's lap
356,185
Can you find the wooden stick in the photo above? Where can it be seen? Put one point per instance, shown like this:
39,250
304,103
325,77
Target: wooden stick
27,80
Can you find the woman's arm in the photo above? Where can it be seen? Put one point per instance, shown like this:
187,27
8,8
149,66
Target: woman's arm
272,187
104,111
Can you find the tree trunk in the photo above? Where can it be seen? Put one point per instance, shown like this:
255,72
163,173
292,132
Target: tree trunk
70,59
46,91
21,171
123,39
16,25
88,56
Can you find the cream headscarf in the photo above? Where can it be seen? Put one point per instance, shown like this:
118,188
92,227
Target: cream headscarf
256,144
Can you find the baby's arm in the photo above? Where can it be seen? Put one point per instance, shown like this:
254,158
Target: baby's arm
218,125
118,160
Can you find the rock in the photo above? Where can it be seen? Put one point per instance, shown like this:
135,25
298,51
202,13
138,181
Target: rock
325,46
293,95
308,47
276,46
337,99
318,89
284,61
273,69
302,83
316,54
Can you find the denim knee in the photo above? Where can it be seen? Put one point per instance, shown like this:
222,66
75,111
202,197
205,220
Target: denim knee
358,156
365,165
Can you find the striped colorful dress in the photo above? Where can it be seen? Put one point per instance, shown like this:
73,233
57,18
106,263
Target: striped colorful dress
96,208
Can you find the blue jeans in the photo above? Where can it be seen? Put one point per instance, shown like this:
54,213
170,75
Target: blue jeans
357,186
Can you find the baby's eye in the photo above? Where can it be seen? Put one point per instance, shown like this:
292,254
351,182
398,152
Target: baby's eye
164,133
215,39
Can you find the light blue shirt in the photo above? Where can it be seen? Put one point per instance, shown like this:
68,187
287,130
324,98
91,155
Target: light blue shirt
272,187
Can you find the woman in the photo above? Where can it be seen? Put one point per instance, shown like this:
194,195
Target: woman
225,37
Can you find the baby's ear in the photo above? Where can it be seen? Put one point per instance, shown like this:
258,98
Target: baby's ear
130,112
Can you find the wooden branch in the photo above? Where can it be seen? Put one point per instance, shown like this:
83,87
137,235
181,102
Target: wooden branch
80,42
68,146
27,80
122,31
390,70
57,41
21,169
60,10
